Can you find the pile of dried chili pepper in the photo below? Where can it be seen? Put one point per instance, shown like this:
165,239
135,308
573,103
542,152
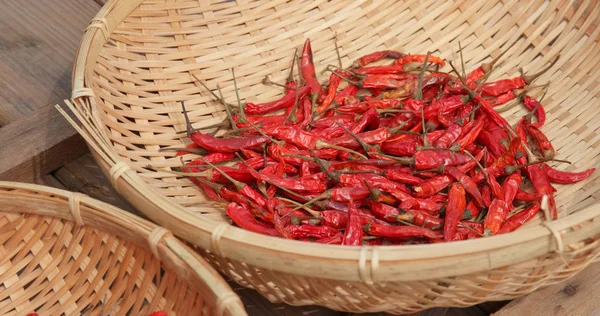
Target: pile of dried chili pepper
399,153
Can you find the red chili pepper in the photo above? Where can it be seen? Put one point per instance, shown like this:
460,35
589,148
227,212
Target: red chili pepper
541,142
370,120
474,208
377,136
244,219
419,59
468,184
36,314
432,186
376,229
291,134
286,101
347,92
486,194
508,157
527,196
305,184
226,145
333,120
517,220
419,218
429,159
511,186
502,99
502,86
531,103
402,177
429,205
403,148
333,240
334,82
379,70
496,215
542,185
280,224
375,56
307,68
490,112
212,158
451,135
474,130
454,210
353,233
566,177
311,231
492,136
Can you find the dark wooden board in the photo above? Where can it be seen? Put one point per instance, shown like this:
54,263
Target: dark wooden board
37,145
38,41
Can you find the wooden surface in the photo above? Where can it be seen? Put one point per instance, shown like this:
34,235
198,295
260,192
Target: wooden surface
577,296
38,40
37,144
37,44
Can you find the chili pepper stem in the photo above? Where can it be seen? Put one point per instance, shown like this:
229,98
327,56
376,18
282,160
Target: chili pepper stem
238,185
337,50
530,78
462,80
419,91
188,125
485,174
290,77
364,145
314,213
462,60
324,166
268,82
197,151
322,196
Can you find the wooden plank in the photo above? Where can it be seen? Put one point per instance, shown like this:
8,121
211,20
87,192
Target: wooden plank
37,145
576,296
84,175
37,47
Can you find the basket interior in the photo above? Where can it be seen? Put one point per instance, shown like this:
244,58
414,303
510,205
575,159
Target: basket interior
55,267
144,71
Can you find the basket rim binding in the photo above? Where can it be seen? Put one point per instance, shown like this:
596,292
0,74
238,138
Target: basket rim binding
84,210
359,263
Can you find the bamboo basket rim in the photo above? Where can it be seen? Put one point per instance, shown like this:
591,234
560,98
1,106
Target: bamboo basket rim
371,262
79,208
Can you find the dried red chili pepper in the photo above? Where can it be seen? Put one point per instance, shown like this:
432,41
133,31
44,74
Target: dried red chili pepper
311,231
451,135
353,233
419,59
429,159
541,142
419,218
527,196
496,215
531,104
469,137
517,220
284,102
454,210
244,219
307,68
376,229
226,145
566,177
511,186
542,186
375,56
468,184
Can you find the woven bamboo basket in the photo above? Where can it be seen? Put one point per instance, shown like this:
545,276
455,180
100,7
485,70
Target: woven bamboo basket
64,253
135,67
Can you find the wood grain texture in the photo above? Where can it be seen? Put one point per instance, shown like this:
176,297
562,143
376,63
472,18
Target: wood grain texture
38,41
37,145
577,296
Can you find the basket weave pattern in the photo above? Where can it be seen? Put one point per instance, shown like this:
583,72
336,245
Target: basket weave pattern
135,69
54,266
